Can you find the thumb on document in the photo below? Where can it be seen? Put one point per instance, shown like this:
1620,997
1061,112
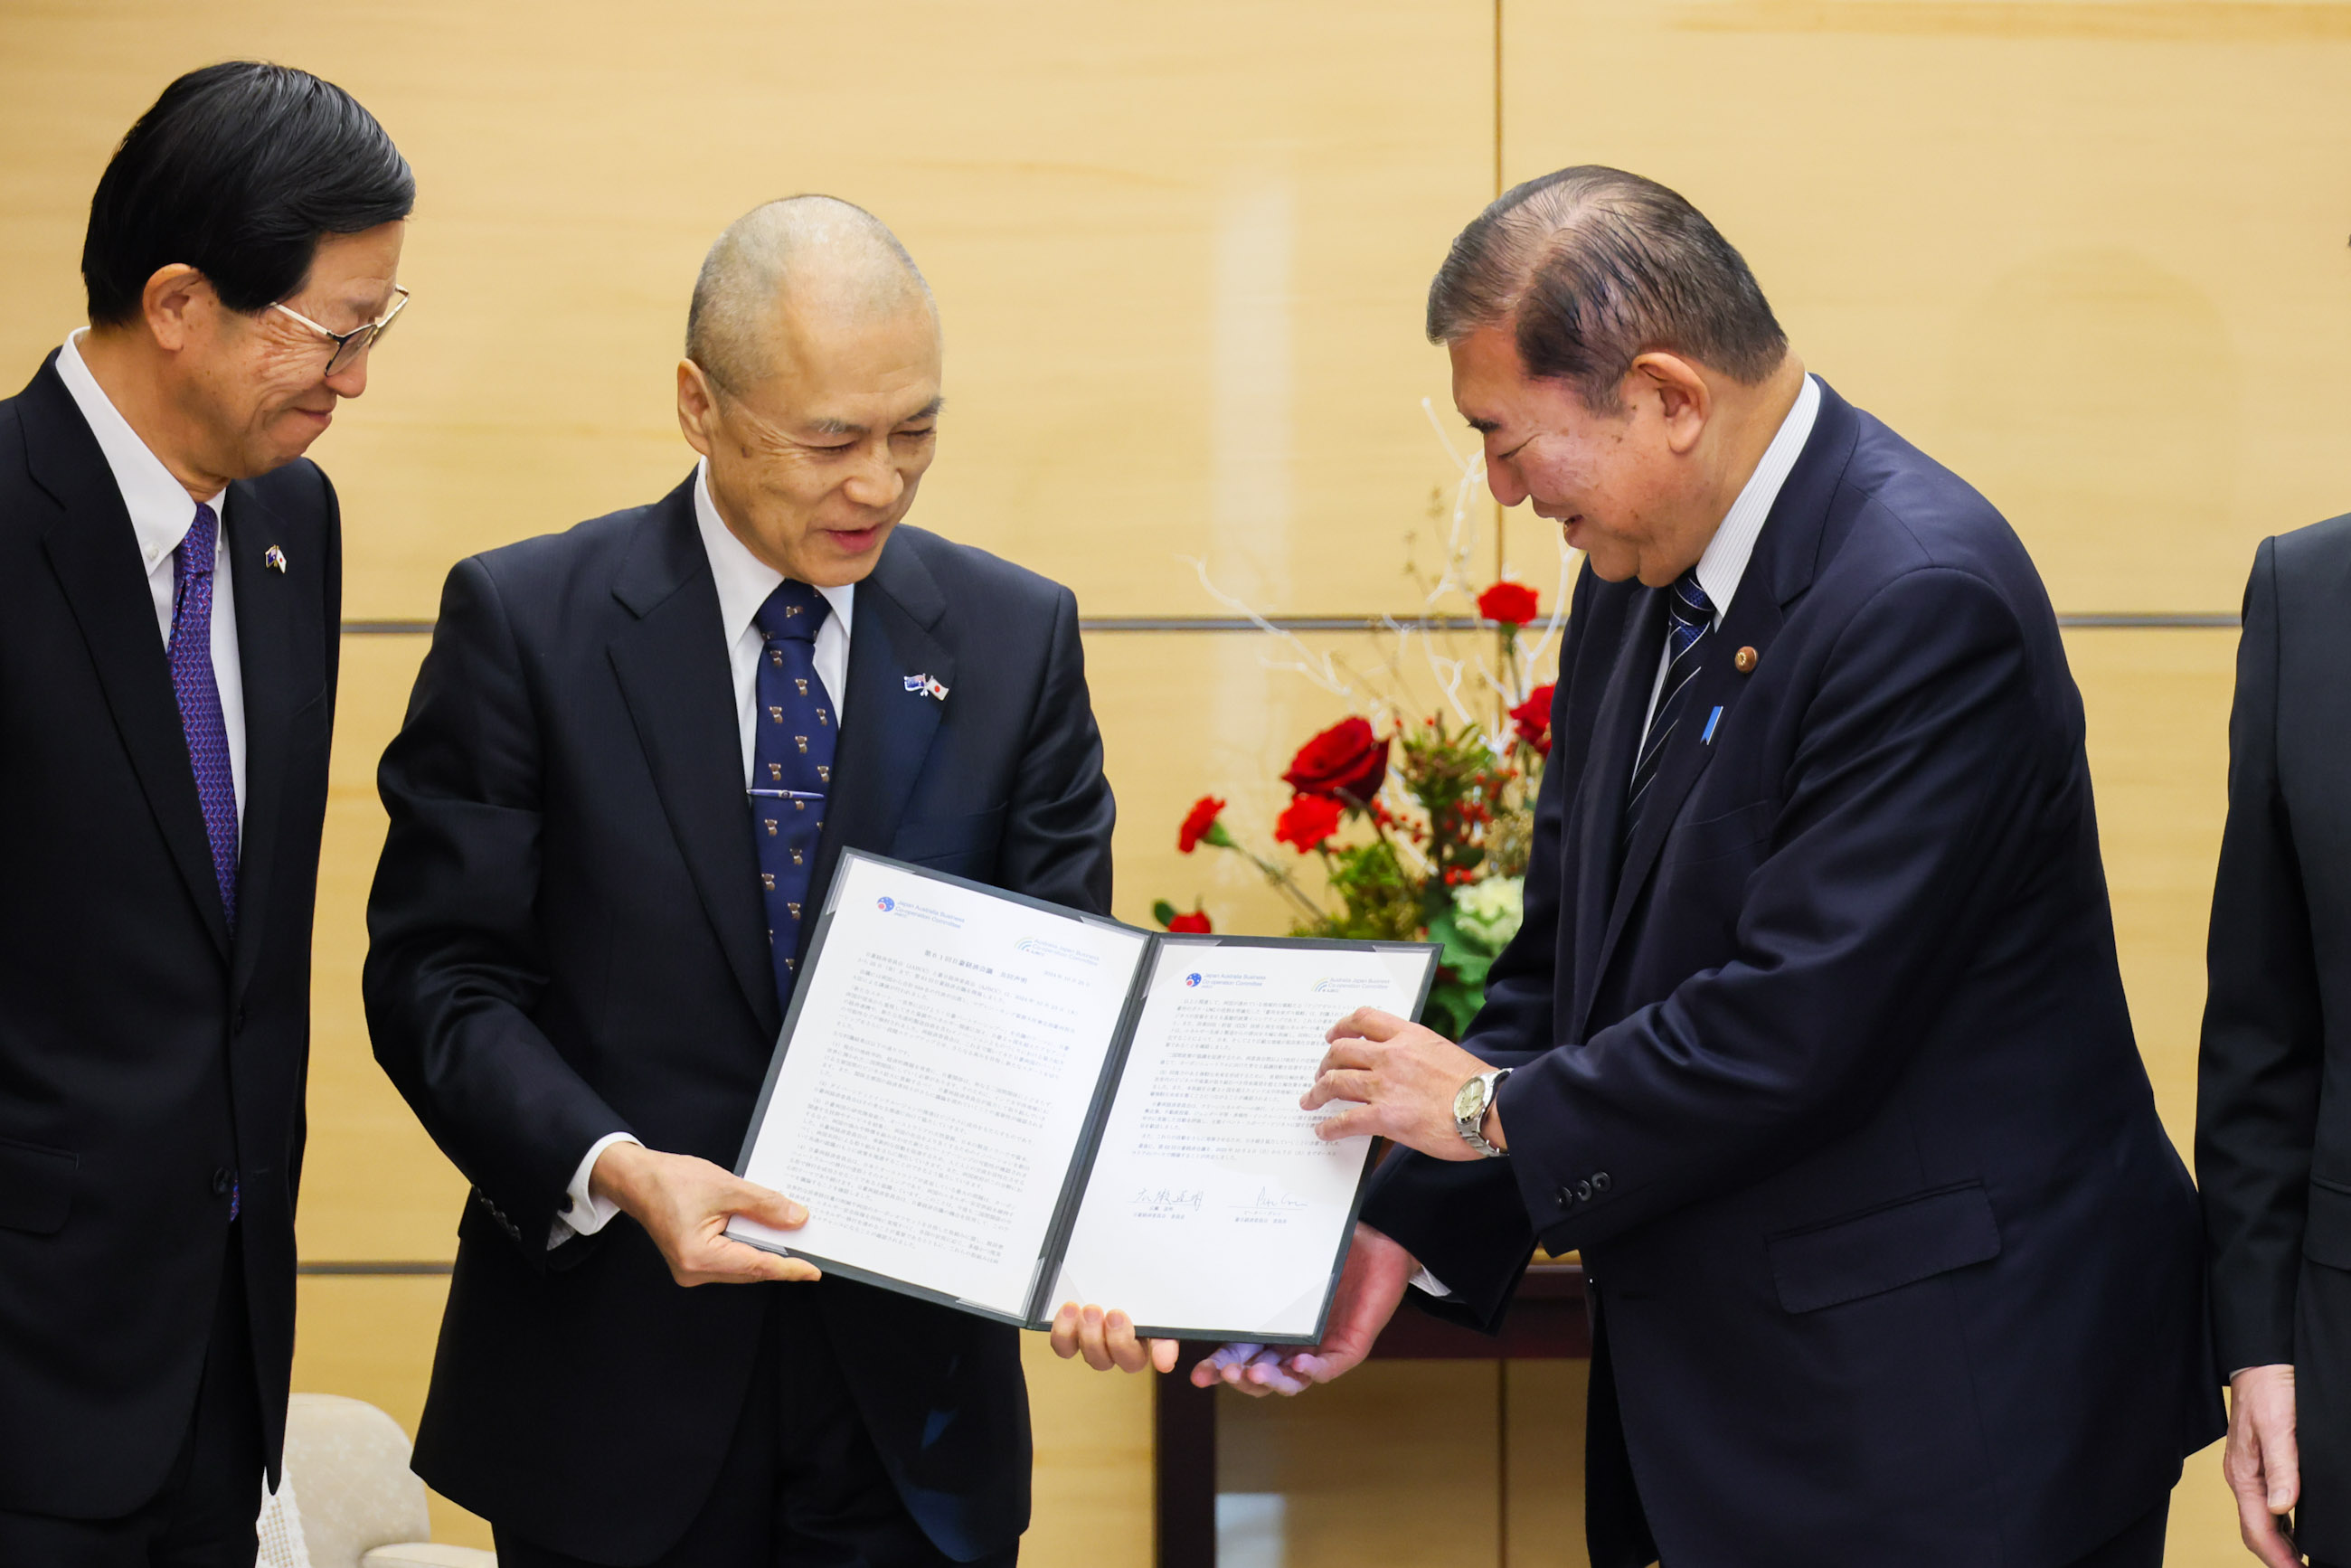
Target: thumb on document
769,1207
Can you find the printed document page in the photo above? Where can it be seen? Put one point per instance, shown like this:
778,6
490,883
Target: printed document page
937,1079
1212,1208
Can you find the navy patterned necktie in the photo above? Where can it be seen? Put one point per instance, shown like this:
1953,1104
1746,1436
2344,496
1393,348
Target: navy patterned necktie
792,767
198,692
1689,617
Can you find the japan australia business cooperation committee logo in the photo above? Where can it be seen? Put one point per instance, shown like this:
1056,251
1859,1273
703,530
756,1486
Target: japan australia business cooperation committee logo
885,903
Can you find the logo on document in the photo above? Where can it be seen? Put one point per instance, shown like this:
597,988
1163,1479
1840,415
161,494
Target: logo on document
885,905
1192,979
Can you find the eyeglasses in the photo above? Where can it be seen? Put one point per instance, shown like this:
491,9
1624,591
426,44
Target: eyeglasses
350,345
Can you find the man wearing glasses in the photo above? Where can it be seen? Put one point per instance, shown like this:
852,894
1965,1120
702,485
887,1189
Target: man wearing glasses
169,588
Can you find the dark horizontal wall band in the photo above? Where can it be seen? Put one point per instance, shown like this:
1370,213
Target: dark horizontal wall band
377,1266
2108,620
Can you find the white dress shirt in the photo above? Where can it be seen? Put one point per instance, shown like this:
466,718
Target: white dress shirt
1720,570
744,581
162,513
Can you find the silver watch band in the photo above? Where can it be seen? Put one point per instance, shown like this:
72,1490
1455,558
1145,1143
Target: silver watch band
1472,1129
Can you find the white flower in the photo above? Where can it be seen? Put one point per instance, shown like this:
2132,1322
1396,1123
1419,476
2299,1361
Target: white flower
1489,912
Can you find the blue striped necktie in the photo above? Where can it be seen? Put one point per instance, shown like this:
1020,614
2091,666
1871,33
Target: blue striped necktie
792,767
1689,617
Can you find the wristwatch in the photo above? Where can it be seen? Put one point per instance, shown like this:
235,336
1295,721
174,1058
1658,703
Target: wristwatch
1469,1107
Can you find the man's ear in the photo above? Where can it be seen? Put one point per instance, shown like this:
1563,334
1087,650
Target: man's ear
1684,400
177,302
697,406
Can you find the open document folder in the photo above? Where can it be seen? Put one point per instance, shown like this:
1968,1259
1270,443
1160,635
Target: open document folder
1002,1105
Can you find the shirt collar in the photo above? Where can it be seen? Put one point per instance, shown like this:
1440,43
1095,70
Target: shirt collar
744,580
1733,545
161,511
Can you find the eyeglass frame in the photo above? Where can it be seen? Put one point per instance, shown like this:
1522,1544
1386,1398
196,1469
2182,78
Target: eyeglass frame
365,334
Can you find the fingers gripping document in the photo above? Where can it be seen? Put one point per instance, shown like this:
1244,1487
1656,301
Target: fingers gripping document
1001,1105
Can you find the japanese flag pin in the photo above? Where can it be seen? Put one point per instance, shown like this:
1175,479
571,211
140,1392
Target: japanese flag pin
937,690
274,559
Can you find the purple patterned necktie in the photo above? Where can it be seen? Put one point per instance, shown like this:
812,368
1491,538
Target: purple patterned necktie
200,706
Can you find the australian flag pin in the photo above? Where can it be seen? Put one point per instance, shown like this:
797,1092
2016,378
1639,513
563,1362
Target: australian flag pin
926,686
274,559
917,683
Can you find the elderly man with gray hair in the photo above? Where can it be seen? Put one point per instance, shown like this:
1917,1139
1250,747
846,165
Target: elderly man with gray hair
632,761
1813,1041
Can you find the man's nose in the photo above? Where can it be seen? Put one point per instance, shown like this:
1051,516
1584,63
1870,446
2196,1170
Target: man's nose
876,483
351,381
1502,478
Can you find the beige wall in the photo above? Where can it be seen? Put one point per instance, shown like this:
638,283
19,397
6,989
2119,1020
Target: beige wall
2091,252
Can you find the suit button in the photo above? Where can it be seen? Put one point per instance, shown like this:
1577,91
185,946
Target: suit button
1600,1181
221,1181
1583,1191
1566,1198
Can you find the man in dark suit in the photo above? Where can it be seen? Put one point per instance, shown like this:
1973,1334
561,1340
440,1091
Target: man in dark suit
1813,1041
2272,1143
171,573
585,933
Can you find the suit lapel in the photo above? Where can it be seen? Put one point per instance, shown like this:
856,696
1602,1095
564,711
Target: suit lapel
1600,802
886,726
264,606
677,679
90,546
1787,553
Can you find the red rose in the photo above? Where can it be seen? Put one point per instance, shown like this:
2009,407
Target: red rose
1196,923
1531,719
1346,761
1199,823
1513,603
1307,820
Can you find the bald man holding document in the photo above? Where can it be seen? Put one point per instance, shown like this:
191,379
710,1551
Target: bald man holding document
634,761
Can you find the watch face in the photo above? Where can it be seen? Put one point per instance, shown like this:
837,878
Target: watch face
1469,1103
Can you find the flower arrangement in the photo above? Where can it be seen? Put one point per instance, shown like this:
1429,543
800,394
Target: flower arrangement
1420,826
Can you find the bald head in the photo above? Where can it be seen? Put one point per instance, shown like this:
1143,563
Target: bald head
781,269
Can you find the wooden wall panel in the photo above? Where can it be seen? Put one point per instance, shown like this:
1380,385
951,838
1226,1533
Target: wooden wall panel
2078,250
1180,254
2158,704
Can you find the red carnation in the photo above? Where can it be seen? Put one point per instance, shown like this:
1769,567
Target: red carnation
1200,823
1196,924
1307,820
1531,719
1512,603
1346,761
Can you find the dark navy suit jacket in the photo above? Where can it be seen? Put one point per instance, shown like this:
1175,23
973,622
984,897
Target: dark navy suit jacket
1829,1074
568,940
2273,1136
150,1063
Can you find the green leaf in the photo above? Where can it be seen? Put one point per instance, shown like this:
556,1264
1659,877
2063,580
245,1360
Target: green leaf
1465,958
1163,913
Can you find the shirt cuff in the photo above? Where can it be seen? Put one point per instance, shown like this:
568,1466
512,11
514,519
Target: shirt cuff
1424,1280
583,1213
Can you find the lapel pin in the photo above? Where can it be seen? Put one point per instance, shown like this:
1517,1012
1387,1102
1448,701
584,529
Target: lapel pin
917,683
935,689
1744,662
274,559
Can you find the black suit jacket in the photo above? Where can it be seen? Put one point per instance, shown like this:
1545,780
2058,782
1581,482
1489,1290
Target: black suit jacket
143,1053
568,940
1829,1075
2272,1133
